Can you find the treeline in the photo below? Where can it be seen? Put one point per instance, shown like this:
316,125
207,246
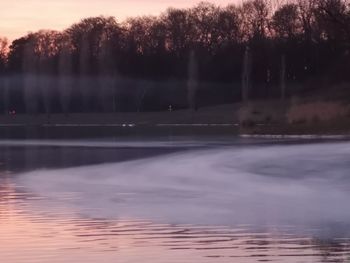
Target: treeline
100,64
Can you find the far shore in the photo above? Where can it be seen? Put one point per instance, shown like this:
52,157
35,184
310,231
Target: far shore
216,116
220,115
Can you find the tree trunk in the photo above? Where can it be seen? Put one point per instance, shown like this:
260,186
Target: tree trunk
283,77
246,75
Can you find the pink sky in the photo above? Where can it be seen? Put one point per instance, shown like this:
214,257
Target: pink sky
21,16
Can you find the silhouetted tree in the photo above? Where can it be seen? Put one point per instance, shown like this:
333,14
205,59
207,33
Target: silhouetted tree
46,49
4,99
142,63
286,22
3,53
65,72
30,75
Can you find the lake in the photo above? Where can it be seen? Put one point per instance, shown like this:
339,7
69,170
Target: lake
172,198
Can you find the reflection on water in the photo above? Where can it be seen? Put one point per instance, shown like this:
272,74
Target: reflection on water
186,206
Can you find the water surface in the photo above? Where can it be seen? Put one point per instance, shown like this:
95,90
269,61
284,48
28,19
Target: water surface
179,199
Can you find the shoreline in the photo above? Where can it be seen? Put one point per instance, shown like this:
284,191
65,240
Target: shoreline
298,136
263,130
214,119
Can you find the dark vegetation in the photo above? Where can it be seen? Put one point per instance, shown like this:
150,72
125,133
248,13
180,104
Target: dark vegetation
142,64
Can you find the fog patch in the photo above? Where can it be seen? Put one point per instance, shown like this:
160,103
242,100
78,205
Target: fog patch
302,185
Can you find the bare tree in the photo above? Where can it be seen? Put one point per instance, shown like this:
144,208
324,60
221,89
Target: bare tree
313,34
228,25
3,77
307,16
30,76
180,30
286,22
65,73
333,17
3,50
254,16
47,48
203,17
107,75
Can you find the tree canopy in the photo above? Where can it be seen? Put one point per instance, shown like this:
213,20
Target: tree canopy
312,35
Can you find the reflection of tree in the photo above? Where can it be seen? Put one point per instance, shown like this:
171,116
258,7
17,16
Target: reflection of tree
8,194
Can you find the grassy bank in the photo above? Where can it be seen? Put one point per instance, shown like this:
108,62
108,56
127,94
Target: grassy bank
223,114
256,117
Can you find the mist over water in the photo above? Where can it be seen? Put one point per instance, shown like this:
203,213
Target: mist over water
179,201
289,184
156,180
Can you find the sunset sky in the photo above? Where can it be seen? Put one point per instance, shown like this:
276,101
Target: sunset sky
21,16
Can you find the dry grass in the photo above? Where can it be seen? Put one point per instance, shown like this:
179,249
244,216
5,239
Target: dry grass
317,112
222,114
258,112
